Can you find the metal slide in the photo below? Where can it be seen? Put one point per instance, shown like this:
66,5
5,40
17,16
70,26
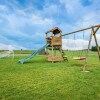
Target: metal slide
33,54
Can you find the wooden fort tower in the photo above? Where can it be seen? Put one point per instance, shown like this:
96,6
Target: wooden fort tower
54,39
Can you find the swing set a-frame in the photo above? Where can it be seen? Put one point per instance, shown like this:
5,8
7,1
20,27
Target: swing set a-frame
94,30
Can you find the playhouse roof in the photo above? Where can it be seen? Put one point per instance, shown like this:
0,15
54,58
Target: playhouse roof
55,30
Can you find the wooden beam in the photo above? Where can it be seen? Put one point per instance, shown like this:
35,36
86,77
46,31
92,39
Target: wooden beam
81,30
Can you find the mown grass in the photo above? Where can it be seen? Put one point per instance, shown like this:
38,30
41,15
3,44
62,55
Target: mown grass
41,80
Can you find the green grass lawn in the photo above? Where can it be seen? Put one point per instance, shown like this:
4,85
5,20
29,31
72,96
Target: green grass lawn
41,80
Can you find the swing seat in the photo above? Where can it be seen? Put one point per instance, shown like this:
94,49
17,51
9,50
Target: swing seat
79,58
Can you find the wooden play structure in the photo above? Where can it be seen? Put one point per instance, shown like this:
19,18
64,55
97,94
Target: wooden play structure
94,30
54,39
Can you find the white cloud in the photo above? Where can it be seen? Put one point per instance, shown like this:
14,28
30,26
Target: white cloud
51,10
72,6
21,19
40,21
90,19
71,44
3,8
85,15
10,47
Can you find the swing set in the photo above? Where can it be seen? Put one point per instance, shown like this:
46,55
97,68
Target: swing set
94,30
79,52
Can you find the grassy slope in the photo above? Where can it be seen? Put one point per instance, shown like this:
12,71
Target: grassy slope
41,80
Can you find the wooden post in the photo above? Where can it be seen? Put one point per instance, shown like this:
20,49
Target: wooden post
55,51
85,64
52,54
60,49
52,47
96,43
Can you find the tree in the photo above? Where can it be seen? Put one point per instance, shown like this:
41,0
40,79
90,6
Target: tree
94,48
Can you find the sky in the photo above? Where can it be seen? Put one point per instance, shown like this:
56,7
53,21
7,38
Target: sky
23,23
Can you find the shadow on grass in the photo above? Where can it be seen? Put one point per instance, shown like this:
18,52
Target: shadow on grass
77,65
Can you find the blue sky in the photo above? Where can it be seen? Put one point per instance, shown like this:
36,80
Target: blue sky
23,23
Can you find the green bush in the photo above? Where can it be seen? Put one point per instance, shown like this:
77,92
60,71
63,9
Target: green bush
94,48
